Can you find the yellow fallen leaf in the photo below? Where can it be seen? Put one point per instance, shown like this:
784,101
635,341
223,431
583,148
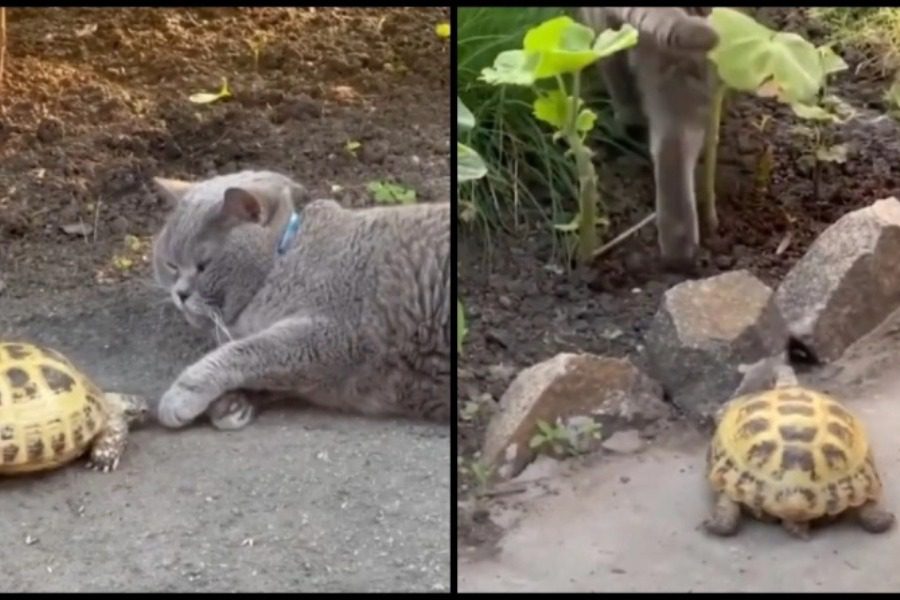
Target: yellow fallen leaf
122,263
442,30
352,147
206,97
133,242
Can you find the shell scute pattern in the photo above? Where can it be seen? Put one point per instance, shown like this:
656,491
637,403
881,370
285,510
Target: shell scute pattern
792,453
49,412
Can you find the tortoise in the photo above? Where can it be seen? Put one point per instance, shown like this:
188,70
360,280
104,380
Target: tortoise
792,454
51,413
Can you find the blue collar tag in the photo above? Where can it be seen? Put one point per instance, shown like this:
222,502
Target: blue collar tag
290,232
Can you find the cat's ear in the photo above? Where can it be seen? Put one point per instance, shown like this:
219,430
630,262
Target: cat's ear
172,191
240,205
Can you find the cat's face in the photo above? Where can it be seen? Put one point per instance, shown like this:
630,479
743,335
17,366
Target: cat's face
218,243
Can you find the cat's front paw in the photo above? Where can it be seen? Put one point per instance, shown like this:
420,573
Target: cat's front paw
182,404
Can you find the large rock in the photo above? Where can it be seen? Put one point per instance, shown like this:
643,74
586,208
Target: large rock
563,390
705,335
847,283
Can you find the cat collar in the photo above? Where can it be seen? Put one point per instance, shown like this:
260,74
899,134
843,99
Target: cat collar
290,232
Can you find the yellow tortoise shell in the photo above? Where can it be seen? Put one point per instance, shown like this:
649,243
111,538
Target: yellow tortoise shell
49,411
793,453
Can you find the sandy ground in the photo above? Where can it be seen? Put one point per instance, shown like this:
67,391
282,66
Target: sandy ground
631,523
301,500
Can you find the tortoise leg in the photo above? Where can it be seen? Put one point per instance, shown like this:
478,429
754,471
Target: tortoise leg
109,445
725,518
873,518
798,529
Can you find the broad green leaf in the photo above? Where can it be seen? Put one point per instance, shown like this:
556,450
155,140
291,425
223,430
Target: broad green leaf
750,54
611,41
206,97
512,67
831,62
812,111
464,117
552,108
563,46
469,165
536,441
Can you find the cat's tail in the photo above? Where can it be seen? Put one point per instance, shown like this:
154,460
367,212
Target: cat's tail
684,29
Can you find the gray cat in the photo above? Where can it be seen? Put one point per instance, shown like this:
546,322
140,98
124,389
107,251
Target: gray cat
667,82
347,309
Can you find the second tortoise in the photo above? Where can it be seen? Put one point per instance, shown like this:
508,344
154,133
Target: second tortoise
794,455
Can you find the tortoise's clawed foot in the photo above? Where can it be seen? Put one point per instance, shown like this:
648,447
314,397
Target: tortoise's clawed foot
725,519
104,466
798,529
874,519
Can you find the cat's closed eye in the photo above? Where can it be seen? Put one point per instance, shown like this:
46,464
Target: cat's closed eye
172,266
202,266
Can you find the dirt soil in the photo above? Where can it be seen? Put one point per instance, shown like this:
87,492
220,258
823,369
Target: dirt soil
523,307
94,104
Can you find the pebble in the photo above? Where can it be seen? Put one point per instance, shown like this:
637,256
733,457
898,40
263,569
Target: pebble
623,442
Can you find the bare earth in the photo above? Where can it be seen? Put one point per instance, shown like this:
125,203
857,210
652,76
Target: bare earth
630,523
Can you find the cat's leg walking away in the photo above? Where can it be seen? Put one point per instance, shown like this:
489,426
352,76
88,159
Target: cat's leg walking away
677,96
300,354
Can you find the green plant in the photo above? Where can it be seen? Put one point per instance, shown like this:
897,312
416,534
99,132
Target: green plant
530,178
753,58
388,192
482,474
558,50
561,439
469,167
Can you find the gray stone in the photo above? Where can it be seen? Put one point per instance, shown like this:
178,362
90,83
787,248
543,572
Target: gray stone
706,332
624,442
612,391
847,283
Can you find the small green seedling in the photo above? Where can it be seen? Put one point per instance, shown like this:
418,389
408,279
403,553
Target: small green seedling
482,474
351,147
557,51
554,437
387,192
569,439
208,98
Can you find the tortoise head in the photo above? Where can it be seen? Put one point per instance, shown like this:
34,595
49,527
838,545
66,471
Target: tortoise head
134,408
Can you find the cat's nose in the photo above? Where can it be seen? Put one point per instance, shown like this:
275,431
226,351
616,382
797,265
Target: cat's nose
183,296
